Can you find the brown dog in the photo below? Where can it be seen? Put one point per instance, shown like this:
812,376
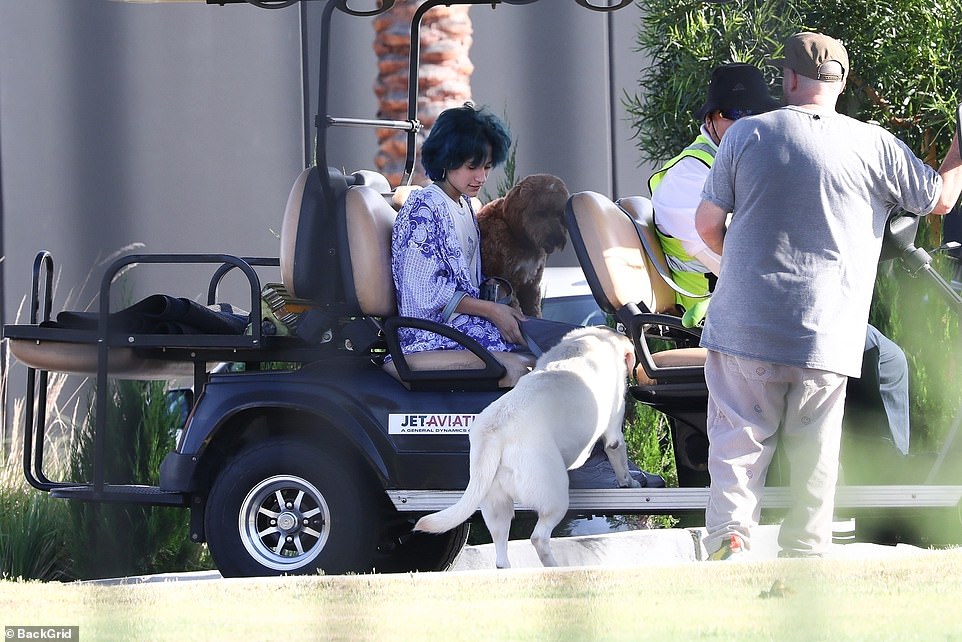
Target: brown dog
519,231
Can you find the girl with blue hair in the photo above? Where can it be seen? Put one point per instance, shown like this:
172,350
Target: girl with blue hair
436,256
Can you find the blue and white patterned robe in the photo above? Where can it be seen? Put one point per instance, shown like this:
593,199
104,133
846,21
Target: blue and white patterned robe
431,275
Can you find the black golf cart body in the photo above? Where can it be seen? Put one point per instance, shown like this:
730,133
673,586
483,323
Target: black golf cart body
326,465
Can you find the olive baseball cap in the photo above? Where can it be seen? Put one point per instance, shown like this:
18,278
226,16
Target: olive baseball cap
808,53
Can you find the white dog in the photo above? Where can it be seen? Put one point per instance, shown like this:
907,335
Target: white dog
523,444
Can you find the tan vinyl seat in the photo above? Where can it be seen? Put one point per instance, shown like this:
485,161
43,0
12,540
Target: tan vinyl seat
640,210
82,359
625,282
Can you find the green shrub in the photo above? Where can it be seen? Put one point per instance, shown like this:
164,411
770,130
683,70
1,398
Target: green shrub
904,56
32,531
33,525
649,442
648,438
110,540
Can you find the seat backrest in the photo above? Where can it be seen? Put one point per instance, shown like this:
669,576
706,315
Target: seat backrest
640,210
311,238
340,254
363,230
610,252
369,221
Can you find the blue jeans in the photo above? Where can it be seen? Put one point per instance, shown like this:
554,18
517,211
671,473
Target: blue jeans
893,378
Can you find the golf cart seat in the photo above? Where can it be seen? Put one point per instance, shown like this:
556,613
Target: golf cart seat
368,292
159,338
625,283
641,212
49,353
49,345
670,375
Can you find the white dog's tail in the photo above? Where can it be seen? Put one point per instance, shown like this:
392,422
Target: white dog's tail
485,459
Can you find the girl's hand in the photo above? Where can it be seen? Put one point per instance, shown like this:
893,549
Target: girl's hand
506,319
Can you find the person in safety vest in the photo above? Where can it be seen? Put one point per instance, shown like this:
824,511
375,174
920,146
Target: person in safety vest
734,91
737,90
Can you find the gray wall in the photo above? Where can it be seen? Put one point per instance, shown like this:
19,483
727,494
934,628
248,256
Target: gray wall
176,126
180,126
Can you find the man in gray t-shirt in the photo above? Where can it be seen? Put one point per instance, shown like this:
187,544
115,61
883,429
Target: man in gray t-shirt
810,191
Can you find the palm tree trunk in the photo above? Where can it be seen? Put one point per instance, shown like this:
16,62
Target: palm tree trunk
444,76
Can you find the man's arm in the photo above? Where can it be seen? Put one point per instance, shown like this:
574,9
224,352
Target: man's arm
951,172
710,225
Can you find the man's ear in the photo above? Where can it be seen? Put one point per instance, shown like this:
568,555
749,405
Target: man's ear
791,77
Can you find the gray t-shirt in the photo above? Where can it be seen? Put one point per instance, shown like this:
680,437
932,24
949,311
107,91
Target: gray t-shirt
810,193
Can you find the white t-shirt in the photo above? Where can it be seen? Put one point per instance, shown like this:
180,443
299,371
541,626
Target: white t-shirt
676,198
467,230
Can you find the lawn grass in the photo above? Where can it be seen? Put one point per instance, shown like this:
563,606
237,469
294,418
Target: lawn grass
905,598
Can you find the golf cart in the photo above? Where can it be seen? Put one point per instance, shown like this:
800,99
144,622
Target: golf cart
309,450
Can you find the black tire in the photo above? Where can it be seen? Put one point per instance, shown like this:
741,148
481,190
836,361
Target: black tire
329,522
422,552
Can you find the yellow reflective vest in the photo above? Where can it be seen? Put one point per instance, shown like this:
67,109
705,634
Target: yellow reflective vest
695,282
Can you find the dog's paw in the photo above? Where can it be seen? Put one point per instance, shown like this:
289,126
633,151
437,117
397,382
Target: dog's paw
632,483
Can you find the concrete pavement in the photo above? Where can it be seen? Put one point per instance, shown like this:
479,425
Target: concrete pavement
642,547
656,546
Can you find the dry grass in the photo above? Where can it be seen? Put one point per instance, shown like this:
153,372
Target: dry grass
914,598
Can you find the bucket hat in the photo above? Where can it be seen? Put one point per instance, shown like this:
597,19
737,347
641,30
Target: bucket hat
737,90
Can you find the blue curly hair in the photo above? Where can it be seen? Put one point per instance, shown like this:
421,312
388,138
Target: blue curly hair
464,134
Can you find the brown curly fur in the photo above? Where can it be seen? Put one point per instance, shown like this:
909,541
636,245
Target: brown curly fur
519,231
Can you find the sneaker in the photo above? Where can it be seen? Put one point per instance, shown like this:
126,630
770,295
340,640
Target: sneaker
732,549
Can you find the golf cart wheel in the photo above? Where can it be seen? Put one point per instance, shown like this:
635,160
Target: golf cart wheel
422,552
286,508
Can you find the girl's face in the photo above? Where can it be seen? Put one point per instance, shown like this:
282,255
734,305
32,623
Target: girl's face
468,179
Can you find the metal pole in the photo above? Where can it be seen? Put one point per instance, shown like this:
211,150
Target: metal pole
307,119
3,314
612,106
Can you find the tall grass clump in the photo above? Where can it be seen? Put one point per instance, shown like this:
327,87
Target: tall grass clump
33,537
33,525
111,540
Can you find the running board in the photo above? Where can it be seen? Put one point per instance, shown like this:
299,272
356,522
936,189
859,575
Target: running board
121,494
659,501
